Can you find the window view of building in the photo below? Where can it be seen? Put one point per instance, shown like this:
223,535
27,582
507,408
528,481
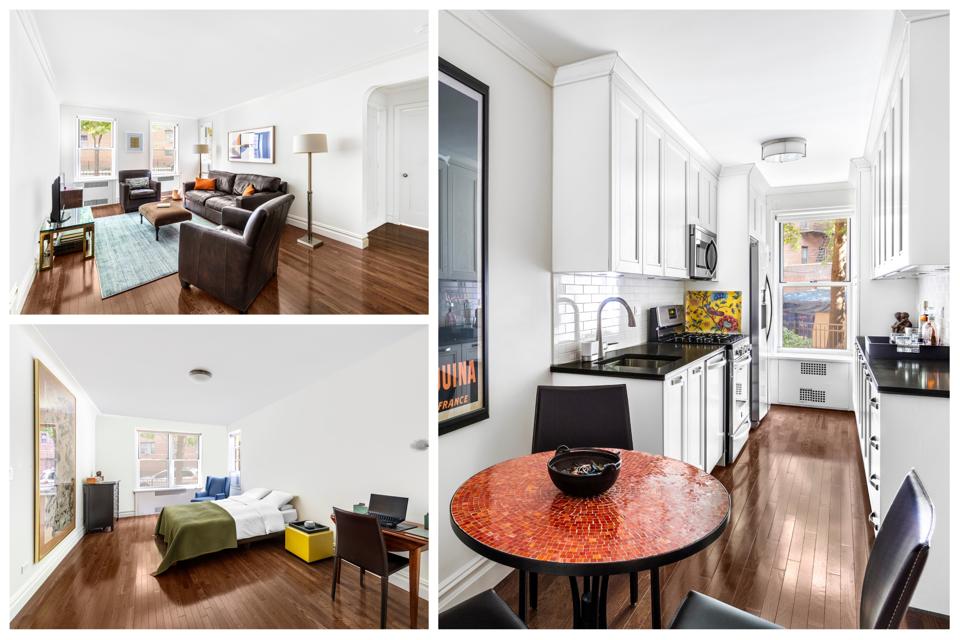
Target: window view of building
167,460
163,147
95,148
815,294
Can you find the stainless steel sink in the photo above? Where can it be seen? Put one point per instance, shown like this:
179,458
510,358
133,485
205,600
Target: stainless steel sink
640,360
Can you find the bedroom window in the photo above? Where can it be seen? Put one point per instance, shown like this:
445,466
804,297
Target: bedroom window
233,460
168,460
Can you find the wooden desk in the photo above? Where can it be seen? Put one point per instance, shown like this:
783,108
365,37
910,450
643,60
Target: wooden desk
403,541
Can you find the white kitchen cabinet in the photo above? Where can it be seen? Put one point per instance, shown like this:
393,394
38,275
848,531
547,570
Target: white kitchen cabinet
696,213
458,214
675,163
713,419
621,178
674,414
693,433
909,154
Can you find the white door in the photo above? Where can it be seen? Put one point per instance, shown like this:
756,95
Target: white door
693,431
713,411
411,166
674,409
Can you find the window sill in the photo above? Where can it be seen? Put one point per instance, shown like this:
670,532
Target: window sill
92,179
820,357
155,489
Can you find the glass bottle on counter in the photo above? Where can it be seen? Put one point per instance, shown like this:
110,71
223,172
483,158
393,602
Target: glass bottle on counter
928,331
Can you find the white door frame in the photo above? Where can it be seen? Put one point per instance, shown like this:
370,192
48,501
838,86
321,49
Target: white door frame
393,211
375,169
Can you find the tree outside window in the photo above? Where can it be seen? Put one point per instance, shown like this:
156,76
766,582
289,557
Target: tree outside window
95,148
167,460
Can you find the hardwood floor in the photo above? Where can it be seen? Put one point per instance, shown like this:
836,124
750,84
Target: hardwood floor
796,546
389,277
105,582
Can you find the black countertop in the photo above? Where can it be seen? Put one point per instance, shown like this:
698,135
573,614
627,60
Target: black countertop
682,355
908,376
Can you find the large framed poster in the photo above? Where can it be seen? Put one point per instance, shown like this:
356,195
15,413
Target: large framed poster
55,459
464,368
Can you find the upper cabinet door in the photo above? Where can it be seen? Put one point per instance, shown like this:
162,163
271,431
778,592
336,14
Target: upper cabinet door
697,202
675,163
627,151
461,217
652,197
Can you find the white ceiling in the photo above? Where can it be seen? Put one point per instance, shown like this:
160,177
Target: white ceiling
737,78
141,370
194,63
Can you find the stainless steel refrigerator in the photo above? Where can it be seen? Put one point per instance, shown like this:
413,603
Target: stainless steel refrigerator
761,323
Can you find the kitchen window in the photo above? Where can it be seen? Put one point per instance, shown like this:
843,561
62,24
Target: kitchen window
164,139
815,295
96,157
168,460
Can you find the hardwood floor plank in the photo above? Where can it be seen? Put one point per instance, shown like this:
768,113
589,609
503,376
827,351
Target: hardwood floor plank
796,546
105,583
389,277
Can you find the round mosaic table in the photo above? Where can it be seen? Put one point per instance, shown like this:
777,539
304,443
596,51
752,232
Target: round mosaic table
659,511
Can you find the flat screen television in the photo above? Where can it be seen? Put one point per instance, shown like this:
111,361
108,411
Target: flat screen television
55,210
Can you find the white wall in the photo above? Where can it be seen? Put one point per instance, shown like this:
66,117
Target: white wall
519,210
117,446
347,435
25,576
34,143
127,122
336,107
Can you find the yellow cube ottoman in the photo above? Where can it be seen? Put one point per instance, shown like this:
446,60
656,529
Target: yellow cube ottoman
309,547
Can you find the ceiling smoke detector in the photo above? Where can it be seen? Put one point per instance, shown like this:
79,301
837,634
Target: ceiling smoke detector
200,375
784,149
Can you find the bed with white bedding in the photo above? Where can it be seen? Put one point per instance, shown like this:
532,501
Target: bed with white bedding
198,528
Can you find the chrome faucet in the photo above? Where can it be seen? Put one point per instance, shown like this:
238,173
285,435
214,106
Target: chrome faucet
631,320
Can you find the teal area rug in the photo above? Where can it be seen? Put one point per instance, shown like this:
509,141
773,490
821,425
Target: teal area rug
128,255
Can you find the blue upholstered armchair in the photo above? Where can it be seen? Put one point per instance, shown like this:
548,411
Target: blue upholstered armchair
217,488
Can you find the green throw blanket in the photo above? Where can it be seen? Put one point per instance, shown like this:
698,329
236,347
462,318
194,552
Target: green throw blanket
192,530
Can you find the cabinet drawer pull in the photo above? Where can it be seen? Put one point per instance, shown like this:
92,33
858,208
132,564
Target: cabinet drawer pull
875,520
874,403
696,370
875,442
875,481
676,381
719,363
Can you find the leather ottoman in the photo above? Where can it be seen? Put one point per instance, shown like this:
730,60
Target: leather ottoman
161,216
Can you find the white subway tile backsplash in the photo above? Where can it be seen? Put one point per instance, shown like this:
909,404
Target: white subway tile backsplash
587,291
935,289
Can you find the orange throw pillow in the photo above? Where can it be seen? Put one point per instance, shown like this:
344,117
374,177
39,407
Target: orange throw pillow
205,184
249,191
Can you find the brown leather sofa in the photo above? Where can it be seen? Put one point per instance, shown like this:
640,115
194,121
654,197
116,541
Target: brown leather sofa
235,262
230,187
131,199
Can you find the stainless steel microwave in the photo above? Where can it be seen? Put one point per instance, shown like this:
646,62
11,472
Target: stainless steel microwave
703,253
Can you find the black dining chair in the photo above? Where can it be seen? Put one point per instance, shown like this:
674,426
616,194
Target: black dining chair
484,611
893,570
360,542
589,416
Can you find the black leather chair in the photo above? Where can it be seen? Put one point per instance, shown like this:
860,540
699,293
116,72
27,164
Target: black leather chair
360,542
483,611
589,416
131,199
234,263
893,570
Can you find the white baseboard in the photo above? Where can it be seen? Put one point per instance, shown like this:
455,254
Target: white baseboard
50,562
357,240
19,296
401,580
476,576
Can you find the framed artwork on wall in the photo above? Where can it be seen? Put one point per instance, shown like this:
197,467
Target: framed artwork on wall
464,367
55,461
134,142
251,145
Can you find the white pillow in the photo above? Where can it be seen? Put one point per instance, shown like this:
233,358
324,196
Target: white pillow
287,507
251,495
277,498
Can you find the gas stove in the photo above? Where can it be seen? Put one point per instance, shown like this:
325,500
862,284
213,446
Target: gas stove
703,338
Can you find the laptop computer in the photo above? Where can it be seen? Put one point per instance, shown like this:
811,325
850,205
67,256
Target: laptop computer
390,510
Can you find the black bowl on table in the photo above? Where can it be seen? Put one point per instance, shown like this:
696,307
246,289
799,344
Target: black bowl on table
602,469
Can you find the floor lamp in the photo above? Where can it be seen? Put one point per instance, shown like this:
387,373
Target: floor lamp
310,143
201,149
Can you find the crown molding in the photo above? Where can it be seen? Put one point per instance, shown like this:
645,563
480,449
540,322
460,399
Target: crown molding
29,24
494,32
737,170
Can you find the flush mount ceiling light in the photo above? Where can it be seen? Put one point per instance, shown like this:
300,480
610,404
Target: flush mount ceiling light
784,149
200,375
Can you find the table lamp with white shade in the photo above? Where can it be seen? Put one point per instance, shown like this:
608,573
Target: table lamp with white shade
310,143
201,149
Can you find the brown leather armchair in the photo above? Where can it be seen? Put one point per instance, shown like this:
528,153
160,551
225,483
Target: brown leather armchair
235,262
131,199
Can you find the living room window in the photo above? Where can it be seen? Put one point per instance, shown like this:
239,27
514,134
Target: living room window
164,140
96,141
168,460
815,295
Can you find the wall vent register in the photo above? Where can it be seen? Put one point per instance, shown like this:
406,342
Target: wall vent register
813,368
817,396
94,202
94,185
